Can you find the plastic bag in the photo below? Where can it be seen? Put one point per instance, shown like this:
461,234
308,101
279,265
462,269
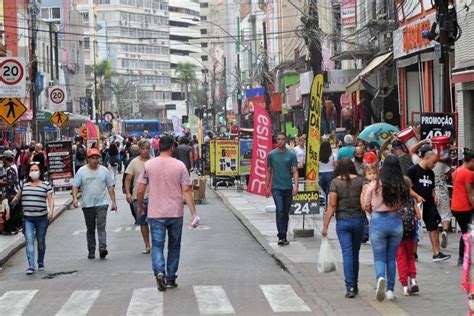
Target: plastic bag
326,260
420,224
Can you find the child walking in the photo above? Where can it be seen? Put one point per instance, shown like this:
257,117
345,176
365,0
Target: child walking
406,250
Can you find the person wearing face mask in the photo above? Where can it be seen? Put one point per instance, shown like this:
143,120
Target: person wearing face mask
38,206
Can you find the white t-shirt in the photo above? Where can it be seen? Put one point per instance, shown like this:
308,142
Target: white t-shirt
300,154
329,166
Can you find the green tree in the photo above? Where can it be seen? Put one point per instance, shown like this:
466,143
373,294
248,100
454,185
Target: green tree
126,92
103,81
186,75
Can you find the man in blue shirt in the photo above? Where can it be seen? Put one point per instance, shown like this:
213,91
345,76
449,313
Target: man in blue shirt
281,168
348,150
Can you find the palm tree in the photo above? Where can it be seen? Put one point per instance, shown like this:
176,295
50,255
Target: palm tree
186,74
103,80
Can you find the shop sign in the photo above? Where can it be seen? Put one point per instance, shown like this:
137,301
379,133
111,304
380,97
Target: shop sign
245,156
305,203
438,124
348,13
227,157
314,135
408,39
262,145
59,159
339,79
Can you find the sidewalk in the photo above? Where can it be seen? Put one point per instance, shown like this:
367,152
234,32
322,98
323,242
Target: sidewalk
328,290
9,245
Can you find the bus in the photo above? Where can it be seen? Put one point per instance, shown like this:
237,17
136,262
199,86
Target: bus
136,128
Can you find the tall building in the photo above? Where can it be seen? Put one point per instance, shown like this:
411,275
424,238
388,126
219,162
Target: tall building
137,42
185,47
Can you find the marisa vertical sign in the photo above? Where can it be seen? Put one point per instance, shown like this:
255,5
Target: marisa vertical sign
314,136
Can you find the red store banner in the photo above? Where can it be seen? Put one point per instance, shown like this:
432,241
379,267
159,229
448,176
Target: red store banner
262,145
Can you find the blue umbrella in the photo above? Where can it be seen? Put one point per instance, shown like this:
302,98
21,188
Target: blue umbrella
378,133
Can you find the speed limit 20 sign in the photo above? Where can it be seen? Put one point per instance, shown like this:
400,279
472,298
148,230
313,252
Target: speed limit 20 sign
12,77
57,98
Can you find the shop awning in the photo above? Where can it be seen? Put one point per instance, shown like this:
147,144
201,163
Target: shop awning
463,76
376,63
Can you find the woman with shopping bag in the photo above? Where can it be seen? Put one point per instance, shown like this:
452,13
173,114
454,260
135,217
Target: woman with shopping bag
344,202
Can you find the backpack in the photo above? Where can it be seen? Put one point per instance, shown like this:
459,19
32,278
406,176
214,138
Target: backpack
408,216
80,152
113,160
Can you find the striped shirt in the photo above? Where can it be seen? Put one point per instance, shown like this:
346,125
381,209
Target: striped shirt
34,199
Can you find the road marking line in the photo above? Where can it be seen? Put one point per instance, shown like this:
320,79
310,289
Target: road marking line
212,300
282,298
79,303
118,229
128,229
146,302
77,232
15,302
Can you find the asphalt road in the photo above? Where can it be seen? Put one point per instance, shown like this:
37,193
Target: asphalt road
223,270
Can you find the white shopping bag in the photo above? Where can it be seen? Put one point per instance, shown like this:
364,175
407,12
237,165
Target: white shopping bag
420,224
326,260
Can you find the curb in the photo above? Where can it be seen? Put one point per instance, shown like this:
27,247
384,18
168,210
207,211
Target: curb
280,259
20,241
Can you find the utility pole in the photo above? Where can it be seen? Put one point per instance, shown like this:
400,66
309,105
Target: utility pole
213,95
34,71
207,99
225,93
239,91
266,69
444,83
56,55
51,49
313,42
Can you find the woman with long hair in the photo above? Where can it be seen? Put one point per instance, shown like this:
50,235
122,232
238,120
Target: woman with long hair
344,201
38,205
326,165
113,160
383,200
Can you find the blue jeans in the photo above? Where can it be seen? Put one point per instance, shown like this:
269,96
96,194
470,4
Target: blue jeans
324,181
386,232
158,229
35,228
282,200
350,233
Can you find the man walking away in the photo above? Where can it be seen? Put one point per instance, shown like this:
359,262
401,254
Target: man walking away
185,153
79,153
348,150
281,168
95,181
168,181
131,175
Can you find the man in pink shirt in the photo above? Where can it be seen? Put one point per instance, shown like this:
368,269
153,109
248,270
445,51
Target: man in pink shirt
168,181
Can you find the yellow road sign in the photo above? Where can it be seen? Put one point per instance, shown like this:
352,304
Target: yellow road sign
59,118
11,109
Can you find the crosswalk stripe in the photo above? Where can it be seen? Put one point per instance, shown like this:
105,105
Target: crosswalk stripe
282,298
118,229
79,303
128,229
14,303
146,302
212,299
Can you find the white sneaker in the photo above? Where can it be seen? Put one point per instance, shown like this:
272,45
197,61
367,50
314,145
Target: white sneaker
414,286
406,291
380,291
390,296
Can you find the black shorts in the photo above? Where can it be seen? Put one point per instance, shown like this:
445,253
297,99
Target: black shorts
431,217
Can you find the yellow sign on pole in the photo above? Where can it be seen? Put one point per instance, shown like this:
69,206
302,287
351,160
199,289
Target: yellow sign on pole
11,109
314,134
59,118
227,157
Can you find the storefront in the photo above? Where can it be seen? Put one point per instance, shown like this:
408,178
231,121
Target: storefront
418,68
